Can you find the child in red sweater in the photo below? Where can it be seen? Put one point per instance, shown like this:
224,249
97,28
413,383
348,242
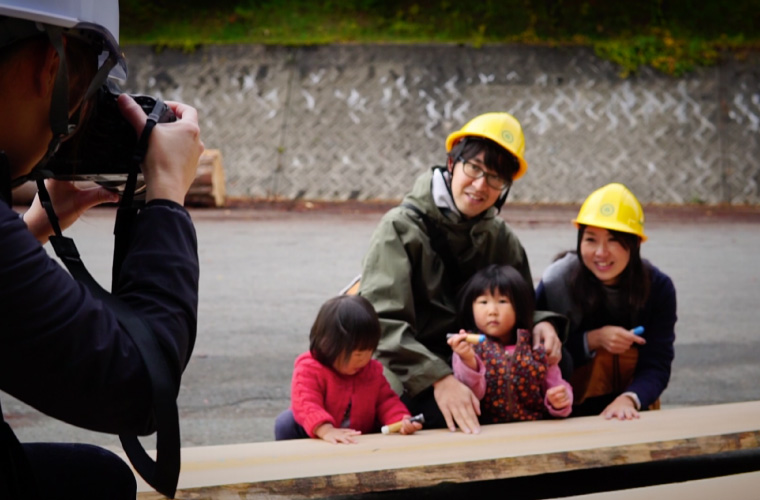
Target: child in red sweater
338,391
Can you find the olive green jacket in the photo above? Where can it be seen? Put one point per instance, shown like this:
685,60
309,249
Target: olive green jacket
403,278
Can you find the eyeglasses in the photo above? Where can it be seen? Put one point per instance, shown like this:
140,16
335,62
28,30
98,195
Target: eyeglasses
475,172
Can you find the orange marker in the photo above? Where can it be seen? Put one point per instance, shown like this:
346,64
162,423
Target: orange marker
387,429
472,338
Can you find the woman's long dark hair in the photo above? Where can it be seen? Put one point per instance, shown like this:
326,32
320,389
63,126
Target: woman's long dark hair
635,280
344,324
510,283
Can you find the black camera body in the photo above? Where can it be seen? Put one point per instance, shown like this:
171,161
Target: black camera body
102,149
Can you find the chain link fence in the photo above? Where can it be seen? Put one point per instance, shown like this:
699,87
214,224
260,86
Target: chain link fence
360,122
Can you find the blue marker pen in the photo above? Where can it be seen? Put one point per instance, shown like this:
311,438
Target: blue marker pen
472,338
638,330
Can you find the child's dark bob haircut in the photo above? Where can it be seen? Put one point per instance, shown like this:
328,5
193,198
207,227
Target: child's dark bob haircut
510,283
344,324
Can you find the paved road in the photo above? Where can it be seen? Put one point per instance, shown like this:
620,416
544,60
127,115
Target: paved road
265,273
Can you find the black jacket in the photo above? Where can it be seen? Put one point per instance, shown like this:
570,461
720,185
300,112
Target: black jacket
64,353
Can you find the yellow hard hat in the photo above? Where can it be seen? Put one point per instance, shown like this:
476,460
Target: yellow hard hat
502,128
613,207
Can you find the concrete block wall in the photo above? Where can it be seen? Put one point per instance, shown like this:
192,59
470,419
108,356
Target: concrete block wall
360,122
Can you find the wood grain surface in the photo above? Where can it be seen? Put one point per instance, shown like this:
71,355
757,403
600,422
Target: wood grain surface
312,468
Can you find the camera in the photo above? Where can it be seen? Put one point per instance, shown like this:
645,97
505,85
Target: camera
102,149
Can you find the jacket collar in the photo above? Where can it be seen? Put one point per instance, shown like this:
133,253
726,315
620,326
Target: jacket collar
434,197
441,191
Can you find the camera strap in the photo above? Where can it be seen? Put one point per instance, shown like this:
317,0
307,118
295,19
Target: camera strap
163,473
6,192
127,211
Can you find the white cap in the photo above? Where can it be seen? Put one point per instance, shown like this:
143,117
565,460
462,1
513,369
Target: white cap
99,16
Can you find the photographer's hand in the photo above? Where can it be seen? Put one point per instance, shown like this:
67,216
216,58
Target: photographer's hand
69,202
173,150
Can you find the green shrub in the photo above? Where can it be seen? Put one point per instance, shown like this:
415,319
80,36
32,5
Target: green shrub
673,36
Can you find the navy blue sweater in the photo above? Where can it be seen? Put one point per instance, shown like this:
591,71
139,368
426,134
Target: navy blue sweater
658,317
64,353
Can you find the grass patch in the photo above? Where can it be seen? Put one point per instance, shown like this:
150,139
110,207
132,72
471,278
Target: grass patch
672,36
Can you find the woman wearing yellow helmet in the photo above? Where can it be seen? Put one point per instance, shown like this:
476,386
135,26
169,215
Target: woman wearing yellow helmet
621,309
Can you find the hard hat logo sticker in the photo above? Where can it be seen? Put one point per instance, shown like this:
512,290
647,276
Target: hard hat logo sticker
507,136
607,209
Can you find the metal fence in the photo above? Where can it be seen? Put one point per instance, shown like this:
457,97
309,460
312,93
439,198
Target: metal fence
361,122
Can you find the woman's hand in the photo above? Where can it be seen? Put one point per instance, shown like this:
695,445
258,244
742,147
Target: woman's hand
457,404
173,151
613,339
69,203
464,349
336,435
623,408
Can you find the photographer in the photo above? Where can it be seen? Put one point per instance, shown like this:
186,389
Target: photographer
63,351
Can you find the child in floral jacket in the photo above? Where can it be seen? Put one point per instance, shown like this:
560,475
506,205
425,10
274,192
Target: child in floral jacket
512,380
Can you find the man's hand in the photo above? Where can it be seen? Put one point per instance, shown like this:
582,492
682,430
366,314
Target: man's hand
69,203
173,150
458,405
544,333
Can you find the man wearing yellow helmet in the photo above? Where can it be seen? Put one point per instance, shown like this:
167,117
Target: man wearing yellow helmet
63,350
445,230
621,309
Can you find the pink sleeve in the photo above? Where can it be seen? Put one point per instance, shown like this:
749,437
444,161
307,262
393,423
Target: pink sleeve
474,379
553,379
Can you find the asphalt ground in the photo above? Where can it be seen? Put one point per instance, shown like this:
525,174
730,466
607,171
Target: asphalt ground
266,269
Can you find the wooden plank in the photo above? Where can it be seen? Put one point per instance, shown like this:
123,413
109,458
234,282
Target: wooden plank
208,187
313,469
736,487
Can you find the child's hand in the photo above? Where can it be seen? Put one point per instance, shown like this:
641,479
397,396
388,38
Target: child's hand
464,349
409,427
558,397
336,435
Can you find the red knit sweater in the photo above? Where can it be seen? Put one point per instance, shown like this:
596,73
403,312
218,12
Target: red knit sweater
319,394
